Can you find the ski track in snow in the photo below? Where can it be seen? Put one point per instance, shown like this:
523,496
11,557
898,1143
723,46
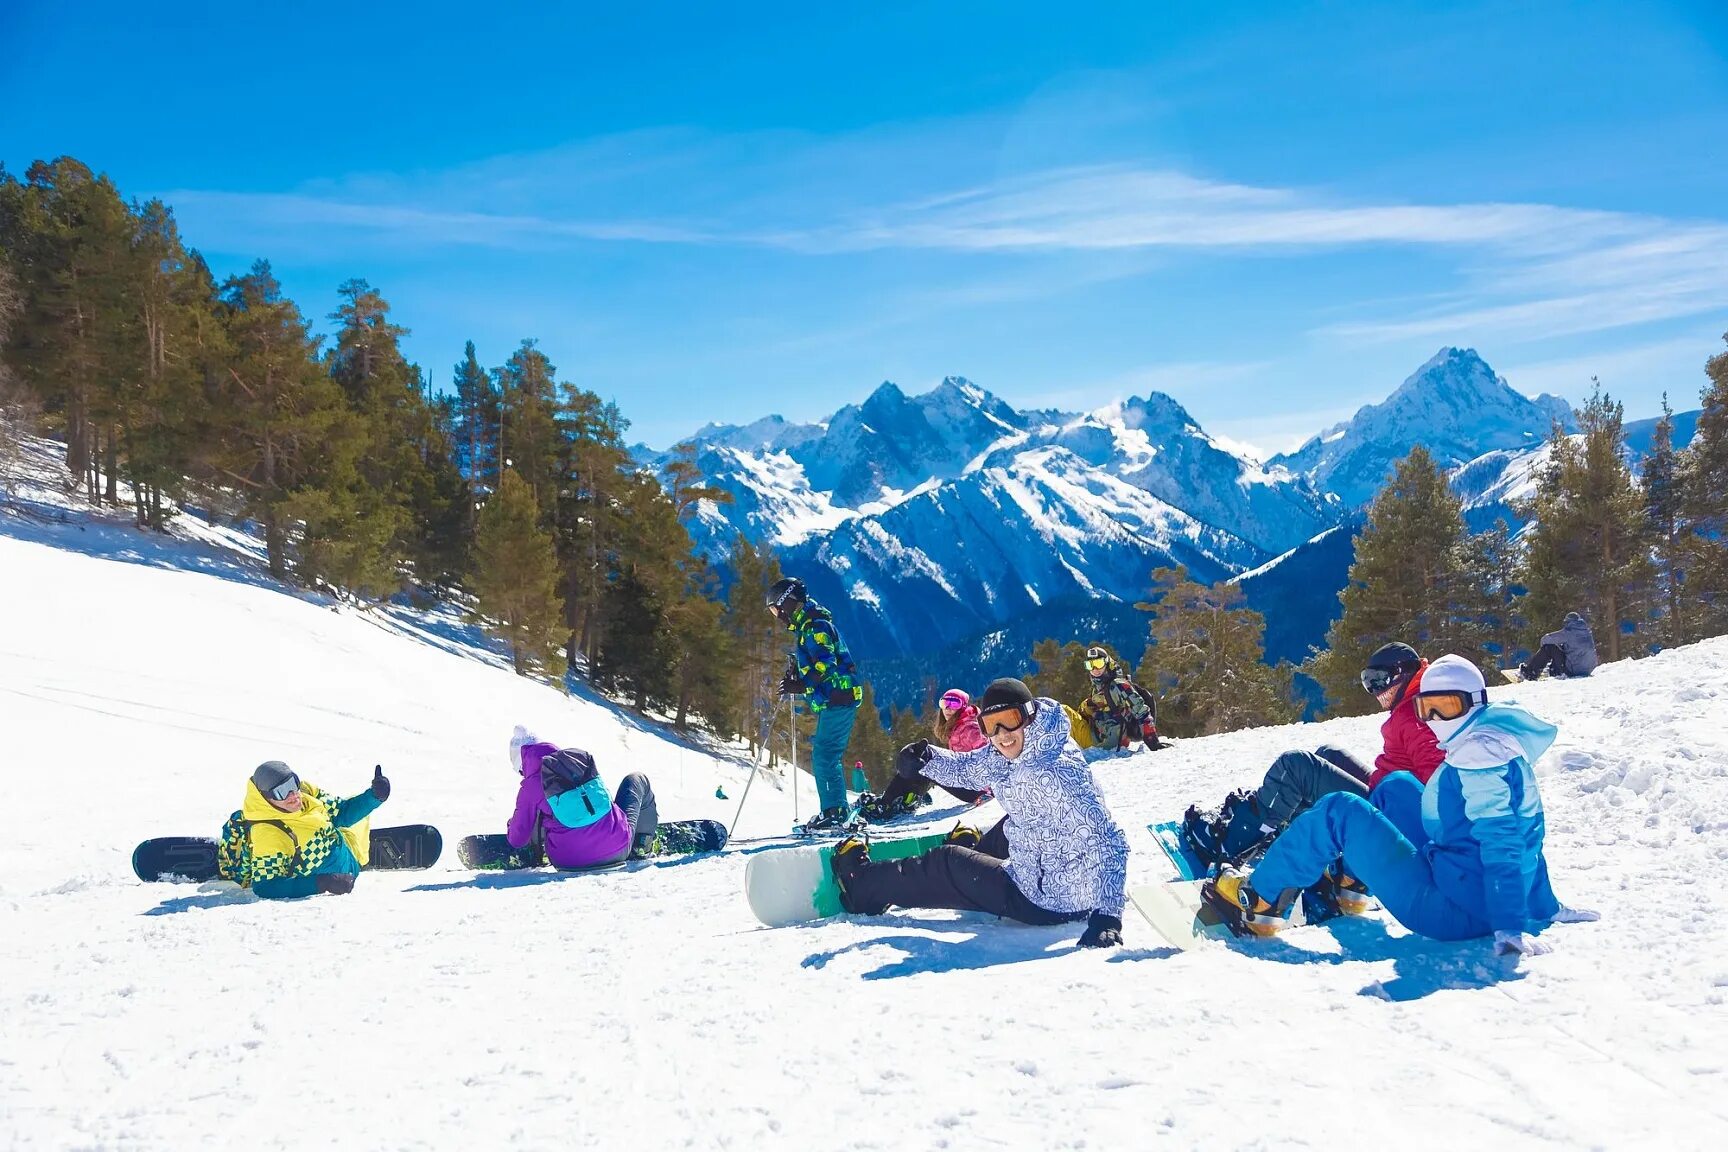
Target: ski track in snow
646,1008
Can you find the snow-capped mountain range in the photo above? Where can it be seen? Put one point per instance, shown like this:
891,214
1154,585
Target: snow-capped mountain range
947,521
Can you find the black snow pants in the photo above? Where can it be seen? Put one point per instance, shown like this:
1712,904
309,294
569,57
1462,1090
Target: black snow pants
901,785
1297,780
971,879
1550,658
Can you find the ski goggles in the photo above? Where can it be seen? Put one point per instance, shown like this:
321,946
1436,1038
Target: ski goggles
285,789
1097,663
1004,720
1444,705
953,702
1378,680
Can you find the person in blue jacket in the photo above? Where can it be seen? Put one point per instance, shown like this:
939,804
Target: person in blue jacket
1467,862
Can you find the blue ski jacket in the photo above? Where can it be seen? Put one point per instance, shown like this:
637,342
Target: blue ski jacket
1065,852
1483,817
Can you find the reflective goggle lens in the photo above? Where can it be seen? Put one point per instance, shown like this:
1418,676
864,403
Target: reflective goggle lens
952,703
1006,720
1442,705
285,789
1096,665
1377,680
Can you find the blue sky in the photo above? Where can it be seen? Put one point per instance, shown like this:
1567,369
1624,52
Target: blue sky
1273,212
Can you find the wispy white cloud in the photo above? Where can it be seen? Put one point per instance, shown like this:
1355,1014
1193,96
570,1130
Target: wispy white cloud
1521,271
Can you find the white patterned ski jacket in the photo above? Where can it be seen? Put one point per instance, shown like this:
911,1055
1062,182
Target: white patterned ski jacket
1065,853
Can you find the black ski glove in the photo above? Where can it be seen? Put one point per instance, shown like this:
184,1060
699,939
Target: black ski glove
1102,931
911,759
335,883
380,786
790,685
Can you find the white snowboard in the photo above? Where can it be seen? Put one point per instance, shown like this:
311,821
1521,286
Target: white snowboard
1176,912
787,886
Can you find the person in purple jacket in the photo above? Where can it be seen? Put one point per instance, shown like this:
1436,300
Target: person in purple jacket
562,805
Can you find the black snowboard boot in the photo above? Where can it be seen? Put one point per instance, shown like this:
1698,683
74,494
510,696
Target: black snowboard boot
851,857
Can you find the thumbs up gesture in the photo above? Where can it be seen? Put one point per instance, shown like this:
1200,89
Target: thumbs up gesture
380,786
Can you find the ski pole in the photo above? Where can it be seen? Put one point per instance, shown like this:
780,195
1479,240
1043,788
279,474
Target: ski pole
736,816
792,713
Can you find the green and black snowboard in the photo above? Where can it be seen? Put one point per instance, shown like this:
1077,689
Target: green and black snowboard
408,846
796,885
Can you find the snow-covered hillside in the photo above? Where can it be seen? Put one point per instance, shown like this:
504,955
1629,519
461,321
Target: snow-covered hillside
141,680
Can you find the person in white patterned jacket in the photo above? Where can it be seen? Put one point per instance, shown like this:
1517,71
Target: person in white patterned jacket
1057,857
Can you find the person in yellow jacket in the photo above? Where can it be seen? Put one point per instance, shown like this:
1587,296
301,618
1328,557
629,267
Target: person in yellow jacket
290,839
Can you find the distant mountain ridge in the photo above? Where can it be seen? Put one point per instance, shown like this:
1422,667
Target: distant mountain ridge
1454,406
941,525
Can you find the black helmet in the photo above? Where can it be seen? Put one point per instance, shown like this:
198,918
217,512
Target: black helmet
1392,666
785,595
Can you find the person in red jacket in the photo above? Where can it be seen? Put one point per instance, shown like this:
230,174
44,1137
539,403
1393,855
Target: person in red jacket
1394,678
1297,779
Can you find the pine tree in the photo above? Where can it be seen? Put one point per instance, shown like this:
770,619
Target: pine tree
1206,661
1663,520
1412,581
1704,503
276,412
870,745
1061,672
757,640
70,236
515,578
529,441
594,477
1587,551
474,423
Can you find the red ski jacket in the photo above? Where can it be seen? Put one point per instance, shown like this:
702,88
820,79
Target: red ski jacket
1410,744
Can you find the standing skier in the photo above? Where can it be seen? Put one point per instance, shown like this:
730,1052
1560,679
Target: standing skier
823,673
1057,857
1119,710
1459,858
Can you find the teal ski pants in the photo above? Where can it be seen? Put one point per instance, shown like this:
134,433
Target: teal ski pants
828,755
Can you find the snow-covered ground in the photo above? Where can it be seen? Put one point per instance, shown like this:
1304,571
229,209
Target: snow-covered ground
141,680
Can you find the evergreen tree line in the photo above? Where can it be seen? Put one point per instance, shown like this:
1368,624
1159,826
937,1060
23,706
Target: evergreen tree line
173,390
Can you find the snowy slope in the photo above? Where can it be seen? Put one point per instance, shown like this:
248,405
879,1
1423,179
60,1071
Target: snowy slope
140,682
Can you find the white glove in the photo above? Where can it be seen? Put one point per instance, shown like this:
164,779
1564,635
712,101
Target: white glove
1575,915
1516,943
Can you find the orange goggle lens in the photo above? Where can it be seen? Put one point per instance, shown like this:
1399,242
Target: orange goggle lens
1006,720
1442,705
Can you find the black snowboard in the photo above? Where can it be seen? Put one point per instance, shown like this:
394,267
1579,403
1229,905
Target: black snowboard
492,852
409,846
